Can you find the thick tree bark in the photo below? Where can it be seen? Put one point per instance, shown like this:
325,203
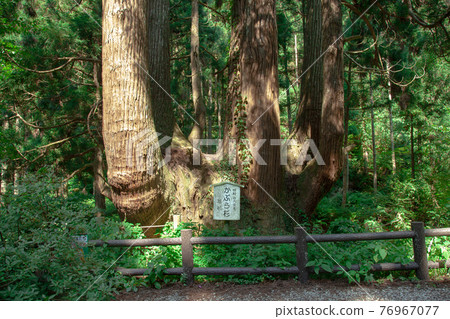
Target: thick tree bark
159,33
316,180
259,87
199,105
137,185
346,119
307,125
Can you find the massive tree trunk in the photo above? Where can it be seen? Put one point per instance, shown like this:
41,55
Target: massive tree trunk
316,180
132,155
199,106
307,125
159,34
259,89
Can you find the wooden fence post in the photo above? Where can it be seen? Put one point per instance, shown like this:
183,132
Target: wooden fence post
302,254
176,221
187,254
420,250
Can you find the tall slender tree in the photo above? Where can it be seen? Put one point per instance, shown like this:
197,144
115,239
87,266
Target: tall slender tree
196,77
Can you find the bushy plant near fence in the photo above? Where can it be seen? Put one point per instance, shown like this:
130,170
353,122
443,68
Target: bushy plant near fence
38,257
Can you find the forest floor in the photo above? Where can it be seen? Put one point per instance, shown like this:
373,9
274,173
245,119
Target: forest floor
292,290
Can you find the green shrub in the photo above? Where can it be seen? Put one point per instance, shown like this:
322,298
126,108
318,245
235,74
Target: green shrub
39,259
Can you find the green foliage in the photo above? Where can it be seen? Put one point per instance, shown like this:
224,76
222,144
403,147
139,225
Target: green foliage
39,259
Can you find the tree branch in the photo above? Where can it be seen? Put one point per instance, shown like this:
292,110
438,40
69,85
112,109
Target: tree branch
56,143
224,19
76,172
424,23
43,127
37,71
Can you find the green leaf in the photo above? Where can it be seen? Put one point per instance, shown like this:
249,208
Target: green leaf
316,269
383,253
327,268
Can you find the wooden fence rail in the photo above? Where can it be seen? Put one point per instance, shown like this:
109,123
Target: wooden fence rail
300,239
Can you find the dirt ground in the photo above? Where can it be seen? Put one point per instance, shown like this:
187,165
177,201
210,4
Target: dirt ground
292,290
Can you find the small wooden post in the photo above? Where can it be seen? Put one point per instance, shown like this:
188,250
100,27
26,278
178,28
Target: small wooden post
420,250
187,255
176,221
302,254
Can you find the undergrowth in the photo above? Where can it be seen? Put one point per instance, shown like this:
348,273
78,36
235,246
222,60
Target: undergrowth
39,259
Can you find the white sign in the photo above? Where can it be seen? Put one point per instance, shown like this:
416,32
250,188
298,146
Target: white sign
227,200
81,240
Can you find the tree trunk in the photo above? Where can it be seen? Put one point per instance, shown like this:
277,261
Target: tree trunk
137,184
288,96
316,180
374,149
199,106
391,125
296,63
4,168
16,173
346,119
234,75
259,87
98,181
98,166
159,34
217,108
307,125
413,168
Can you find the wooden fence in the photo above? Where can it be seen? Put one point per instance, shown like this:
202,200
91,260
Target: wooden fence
300,239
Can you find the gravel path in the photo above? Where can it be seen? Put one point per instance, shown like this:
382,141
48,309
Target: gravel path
291,290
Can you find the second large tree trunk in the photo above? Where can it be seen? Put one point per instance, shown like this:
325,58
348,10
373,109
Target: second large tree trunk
316,180
307,125
259,89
